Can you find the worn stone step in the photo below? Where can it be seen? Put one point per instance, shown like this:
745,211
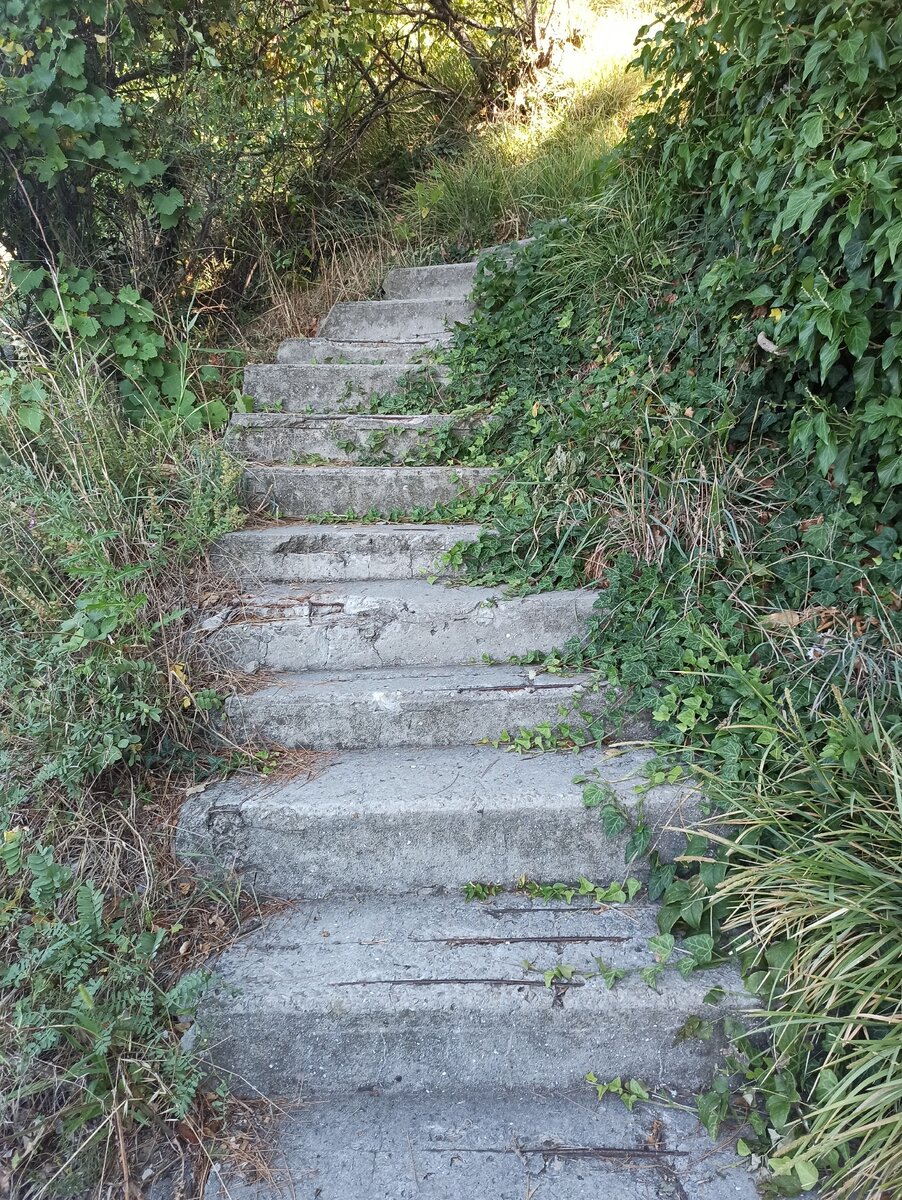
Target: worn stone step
446,281
283,437
390,623
427,993
362,352
310,491
496,1146
394,320
320,388
385,822
286,553
426,706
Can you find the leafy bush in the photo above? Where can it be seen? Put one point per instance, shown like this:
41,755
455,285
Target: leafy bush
91,1038
782,126
176,148
159,369
691,388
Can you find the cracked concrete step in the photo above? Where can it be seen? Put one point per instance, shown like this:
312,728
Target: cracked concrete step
311,491
315,387
427,706
363,352
566,1146
416,993
413,820
391,623
394,320
295,553
281,437
446,281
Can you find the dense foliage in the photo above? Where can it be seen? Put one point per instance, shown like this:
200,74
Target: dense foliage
166,165
164,139
784,122
691,386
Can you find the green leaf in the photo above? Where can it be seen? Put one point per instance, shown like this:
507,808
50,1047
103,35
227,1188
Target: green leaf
806,1172
812,129
651,975
778,1109
701,947
168,205
763,294
662,946
31,417
71,61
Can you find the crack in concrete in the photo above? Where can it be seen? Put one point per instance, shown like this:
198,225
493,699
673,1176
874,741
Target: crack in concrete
495,982
569,939
608,1153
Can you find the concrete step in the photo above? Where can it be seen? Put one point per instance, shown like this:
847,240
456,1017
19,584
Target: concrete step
537,1146
427,706
361,351
384,822
282,437
447,281
394,320
388,623
296,553
310,491
321,388
428,993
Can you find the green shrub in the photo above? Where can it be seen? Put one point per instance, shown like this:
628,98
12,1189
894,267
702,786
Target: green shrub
198,148
781,126
91,1038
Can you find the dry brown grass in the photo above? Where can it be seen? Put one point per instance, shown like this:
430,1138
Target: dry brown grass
350,268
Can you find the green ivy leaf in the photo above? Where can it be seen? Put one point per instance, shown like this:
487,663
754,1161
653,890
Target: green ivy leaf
31,417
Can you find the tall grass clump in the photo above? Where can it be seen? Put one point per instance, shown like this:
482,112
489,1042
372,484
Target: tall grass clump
99,517
102,524
812,899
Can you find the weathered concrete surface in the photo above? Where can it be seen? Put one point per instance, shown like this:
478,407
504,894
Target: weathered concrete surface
420,993
385,822
447,281
423,1025
311,491
394,320
282,437
327,389
300,351
296,553
392,623
526,1146
427,706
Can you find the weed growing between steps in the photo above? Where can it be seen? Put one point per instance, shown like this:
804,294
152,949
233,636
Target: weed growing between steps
691,386
102,695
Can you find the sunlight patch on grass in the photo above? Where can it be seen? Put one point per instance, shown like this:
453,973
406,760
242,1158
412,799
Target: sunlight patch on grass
541,154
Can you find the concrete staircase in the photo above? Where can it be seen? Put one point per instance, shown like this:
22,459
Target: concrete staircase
428,1046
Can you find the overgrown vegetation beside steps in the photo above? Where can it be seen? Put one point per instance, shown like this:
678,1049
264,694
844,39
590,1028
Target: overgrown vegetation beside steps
103,932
